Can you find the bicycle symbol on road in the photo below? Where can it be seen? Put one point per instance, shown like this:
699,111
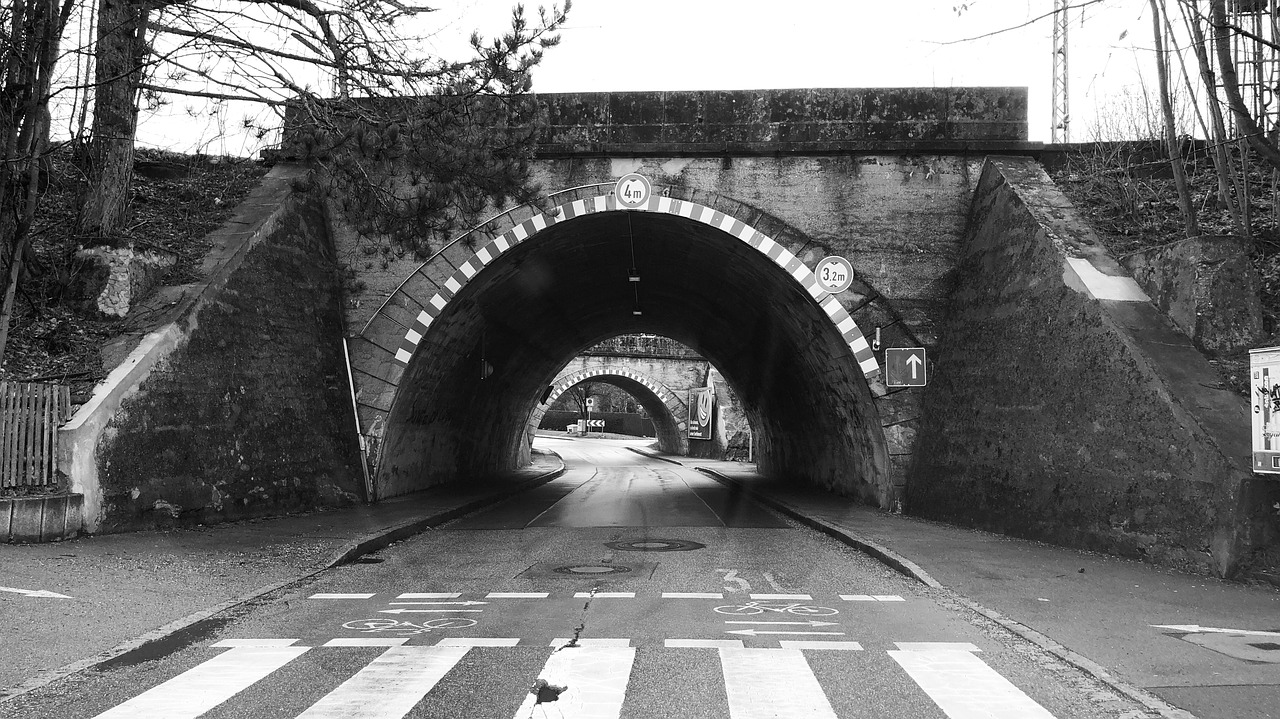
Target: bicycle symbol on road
395,626
753,607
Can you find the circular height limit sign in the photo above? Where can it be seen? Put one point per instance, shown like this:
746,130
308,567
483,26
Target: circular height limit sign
834,274
632,190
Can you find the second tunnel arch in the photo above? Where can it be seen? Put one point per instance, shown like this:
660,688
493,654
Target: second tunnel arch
666,409
791,351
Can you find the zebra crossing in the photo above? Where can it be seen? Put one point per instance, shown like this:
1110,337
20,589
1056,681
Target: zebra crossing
590,678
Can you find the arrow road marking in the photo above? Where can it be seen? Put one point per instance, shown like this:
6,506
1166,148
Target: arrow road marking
1191,628
756,632
421,611
814,623
39,593
914,363
467,603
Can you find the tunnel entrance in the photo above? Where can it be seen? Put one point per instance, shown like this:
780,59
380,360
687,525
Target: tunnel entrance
511,310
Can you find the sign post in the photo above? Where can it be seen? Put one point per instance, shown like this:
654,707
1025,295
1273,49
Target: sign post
1264,401
906,367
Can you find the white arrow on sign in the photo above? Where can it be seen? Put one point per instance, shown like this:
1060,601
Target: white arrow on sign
40,593
755,632
1193,628
914,363
814,623
421,611
467,603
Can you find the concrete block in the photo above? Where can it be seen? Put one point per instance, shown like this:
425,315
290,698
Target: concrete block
28,518
6,518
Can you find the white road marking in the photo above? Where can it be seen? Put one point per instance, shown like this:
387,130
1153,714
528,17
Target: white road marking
336,595
230,643
758,632
595,642
37,593
964,687
887,598
430,595
1194,628
772,684
783,597
857,597
936,646
479,642
594,680
388,686
703,644
366,642
692,595
604,595
819,644
517,595
206,685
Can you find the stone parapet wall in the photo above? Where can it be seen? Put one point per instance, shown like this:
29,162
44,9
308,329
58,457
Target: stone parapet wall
236,406
1066,407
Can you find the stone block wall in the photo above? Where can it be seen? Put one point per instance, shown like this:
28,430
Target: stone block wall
1063,412
250,415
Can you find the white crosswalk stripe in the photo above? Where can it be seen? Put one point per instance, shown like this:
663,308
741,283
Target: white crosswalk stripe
207,685
389,686
586,678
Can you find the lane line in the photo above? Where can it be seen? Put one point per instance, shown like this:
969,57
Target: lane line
595,680
792,597
517,595
430,595
388,686
819,644
366,642
479,642
206,685
693,595
772,684
604,595
338,595
964,687
703,644
594,642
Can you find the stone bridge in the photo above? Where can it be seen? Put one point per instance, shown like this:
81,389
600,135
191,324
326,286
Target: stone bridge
1064,404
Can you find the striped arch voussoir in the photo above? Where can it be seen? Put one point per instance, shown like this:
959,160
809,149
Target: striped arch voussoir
778,254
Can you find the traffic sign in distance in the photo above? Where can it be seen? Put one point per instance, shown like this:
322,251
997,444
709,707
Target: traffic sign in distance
905,367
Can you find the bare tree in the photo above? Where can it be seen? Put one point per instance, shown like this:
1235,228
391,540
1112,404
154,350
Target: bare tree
390,106
30,34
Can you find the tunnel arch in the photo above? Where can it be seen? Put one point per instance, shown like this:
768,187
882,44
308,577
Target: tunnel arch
668,412
529,289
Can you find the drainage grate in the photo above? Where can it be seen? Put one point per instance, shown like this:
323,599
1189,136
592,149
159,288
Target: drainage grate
593,569
655,545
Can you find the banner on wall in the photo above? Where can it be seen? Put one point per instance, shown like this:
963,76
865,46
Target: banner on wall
701,409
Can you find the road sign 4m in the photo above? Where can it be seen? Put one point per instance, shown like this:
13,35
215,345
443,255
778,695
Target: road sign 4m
905,367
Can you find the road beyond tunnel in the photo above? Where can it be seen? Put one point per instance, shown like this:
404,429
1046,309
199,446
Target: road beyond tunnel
478,367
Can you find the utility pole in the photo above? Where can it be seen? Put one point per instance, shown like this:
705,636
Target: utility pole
1061,103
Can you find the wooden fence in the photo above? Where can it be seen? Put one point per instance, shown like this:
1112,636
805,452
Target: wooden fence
30,415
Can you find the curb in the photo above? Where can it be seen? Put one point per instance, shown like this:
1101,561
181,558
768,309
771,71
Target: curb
358,547
651,455
1148,700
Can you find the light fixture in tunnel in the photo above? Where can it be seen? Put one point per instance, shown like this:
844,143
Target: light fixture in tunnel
633,275
636,311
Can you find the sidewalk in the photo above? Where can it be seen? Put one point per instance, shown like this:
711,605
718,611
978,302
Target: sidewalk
131,589
1095,611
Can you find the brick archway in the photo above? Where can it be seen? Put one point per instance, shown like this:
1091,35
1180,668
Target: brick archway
668,411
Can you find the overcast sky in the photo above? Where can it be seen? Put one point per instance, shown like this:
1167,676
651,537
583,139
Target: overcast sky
754,44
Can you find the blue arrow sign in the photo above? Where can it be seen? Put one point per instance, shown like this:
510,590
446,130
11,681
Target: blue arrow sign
906,367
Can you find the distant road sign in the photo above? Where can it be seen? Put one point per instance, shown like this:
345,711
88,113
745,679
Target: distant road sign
591,402
834,274
906,367
595,423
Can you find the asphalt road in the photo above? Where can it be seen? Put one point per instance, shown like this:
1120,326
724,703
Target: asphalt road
627,587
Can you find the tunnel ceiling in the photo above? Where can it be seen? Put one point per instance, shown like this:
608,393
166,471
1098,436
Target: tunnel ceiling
542,302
